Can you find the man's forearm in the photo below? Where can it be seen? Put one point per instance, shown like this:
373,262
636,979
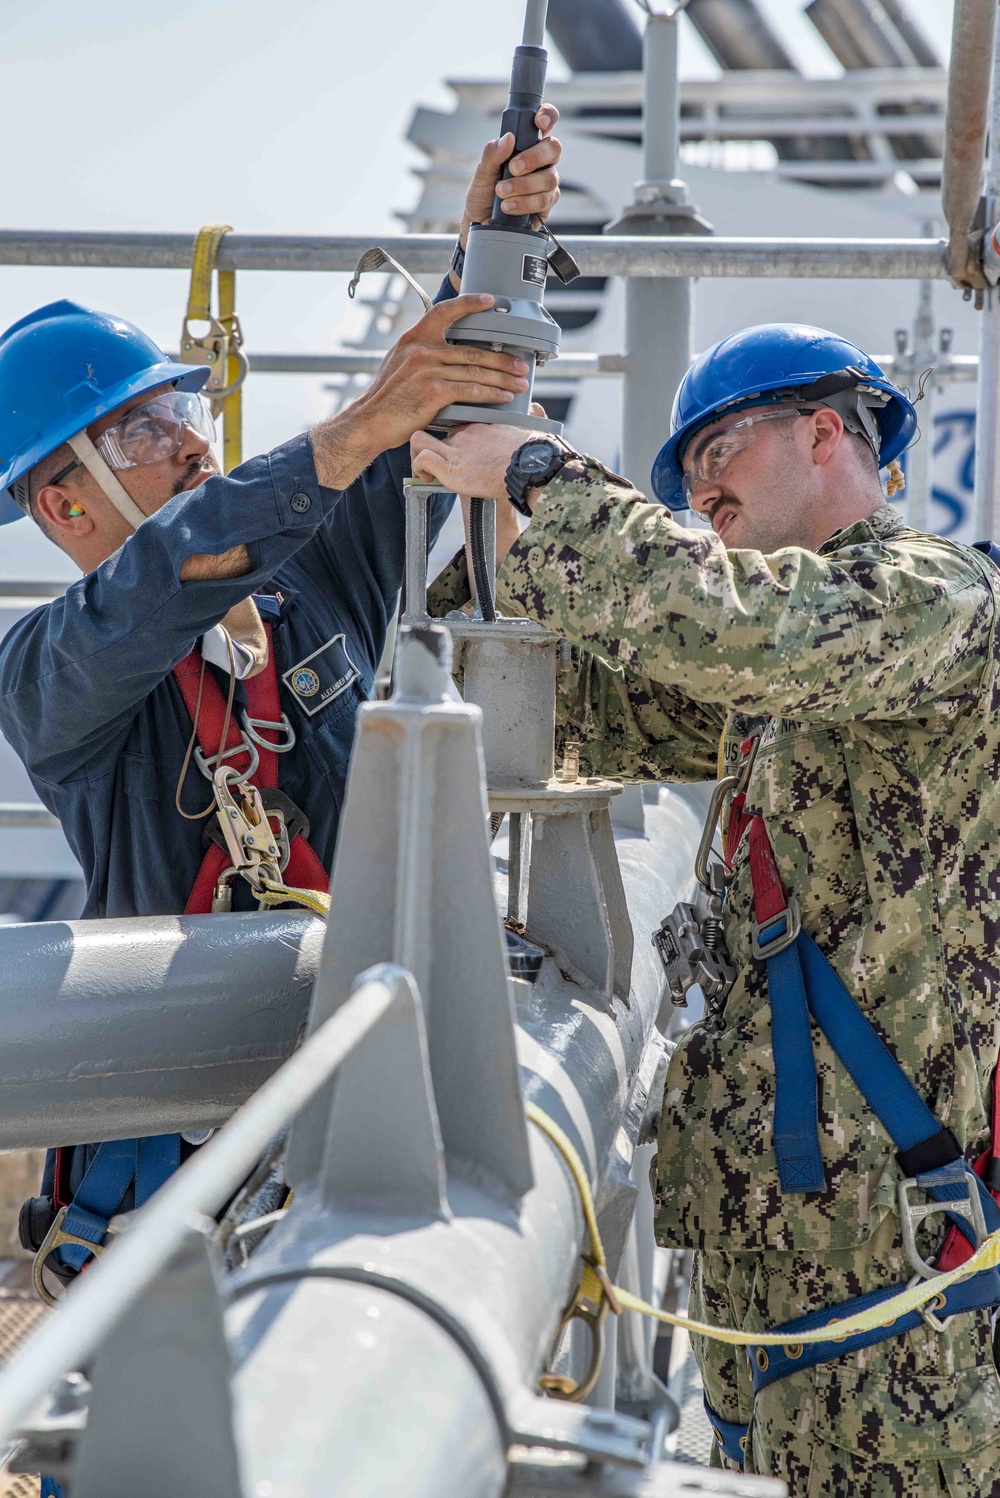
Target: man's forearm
344,445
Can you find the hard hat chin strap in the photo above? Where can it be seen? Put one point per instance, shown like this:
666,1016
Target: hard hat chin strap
109,484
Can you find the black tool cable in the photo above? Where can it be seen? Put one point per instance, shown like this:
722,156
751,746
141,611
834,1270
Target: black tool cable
481,569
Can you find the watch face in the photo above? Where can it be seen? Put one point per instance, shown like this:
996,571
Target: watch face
535,457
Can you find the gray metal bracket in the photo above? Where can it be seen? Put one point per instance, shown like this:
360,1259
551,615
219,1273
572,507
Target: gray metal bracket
576,900
664,1479
160,1418
599,1435
384,1142
413,885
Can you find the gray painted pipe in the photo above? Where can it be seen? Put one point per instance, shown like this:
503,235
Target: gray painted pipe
497,1277
133,1027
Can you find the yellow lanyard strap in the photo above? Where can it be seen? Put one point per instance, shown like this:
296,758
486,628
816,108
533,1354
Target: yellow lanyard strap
987,1256
221,347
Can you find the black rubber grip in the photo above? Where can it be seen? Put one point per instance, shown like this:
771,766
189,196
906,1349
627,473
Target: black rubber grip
527,82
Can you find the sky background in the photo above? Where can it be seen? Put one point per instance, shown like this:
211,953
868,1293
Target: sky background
122,114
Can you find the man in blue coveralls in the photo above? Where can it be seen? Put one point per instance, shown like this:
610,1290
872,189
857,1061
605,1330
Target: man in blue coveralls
273,584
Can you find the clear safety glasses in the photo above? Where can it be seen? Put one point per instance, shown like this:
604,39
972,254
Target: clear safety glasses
155,431
715,451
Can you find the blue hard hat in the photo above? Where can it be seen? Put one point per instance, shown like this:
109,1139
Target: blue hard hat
777,362
61,368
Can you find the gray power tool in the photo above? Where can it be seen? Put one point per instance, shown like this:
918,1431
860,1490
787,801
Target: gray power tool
511,260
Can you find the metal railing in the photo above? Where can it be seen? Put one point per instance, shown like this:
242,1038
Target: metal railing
597,254
26,814
199,1189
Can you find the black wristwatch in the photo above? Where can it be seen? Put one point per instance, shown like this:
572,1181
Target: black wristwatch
458,259
534,464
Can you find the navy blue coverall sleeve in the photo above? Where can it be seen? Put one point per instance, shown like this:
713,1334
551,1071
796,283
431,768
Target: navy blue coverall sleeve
73,674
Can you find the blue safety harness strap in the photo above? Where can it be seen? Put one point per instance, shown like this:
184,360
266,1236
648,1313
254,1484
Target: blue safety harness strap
730,1434
796,1110
802,978
115,1167
768,1364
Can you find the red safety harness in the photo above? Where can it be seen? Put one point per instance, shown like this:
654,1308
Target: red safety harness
263,710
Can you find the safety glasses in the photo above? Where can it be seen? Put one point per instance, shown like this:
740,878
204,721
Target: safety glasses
155,431
713,453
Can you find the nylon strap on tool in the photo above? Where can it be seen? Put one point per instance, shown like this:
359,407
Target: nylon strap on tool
871,1317
377,259
221,348
305,879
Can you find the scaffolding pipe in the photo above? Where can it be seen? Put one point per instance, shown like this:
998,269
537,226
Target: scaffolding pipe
968,109
918,457
598,255
658,314
986,501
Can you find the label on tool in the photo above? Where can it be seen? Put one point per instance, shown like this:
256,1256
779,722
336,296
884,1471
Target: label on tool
534,269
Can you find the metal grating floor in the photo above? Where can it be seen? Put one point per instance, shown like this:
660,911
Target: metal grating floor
20,1313
692,1440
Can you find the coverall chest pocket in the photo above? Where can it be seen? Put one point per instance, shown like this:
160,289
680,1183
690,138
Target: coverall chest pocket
147,777
801,787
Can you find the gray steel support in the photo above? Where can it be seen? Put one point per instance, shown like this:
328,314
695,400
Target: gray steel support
160,1417
364,1301
921,357
509,674
385,1143
658,314
598,255
117,1028
413,884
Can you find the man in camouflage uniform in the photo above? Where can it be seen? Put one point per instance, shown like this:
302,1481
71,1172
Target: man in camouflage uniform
865,655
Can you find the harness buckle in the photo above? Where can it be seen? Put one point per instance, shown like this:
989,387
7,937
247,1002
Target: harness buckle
209,763
55,1238
283,726
786,926
912,1213
927,1312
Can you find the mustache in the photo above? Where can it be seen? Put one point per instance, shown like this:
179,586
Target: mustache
197,465
727,497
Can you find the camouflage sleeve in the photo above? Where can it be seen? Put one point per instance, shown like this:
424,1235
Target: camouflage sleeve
450,589
871,630
626,725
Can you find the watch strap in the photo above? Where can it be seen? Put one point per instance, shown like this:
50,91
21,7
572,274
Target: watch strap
518,483
458,259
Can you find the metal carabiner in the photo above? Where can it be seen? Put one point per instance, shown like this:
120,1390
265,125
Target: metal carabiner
248,835
719,794
559,1385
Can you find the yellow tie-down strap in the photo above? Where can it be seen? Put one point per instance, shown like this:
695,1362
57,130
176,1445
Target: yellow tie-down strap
594,1285
283,894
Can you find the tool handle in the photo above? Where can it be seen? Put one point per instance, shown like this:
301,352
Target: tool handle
527,83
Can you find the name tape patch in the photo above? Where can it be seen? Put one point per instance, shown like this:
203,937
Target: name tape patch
323,676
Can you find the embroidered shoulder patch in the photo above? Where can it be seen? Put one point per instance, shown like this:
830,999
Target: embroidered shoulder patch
323,676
